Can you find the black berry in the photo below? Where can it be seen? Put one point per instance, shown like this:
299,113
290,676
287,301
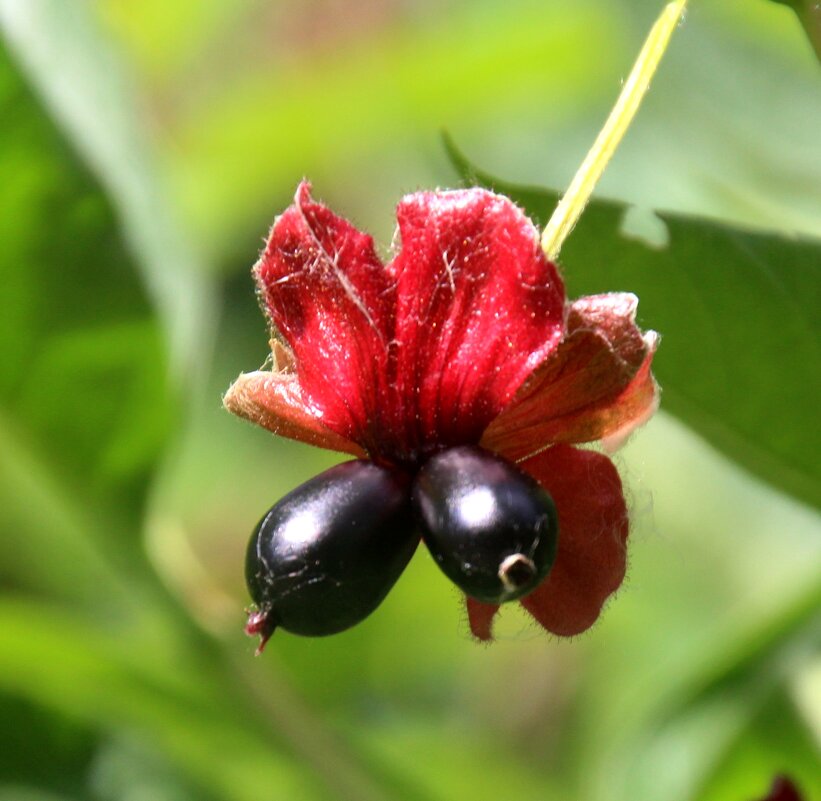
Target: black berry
324,557
491,528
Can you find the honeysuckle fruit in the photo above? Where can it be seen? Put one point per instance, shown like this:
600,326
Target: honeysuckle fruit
463,339
323,558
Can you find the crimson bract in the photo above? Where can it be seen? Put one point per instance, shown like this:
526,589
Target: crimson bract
465,338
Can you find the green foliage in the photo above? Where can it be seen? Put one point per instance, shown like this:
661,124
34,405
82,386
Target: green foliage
34,742
82,83
77,321
126,494
739,315
85,403
774,738
809,14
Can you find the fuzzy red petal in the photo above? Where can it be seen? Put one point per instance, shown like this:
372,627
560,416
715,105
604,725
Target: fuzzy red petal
593,528
478,308
329,295
596,384
480,617
592,556
274,401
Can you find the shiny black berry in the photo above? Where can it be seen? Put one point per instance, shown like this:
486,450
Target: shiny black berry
324,557
491,528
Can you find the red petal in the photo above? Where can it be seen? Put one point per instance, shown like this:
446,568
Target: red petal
633,408
593,527
330,297
274,401
481,617
597,383
478,308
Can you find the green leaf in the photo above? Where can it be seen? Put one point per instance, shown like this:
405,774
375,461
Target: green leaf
738,314
42,749
27,793
83,83
86,404
103,681
768,648
84,373
707,709
776,741
809,14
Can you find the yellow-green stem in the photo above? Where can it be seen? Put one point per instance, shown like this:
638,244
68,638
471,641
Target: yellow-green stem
581,187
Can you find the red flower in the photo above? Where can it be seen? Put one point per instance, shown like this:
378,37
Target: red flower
464,337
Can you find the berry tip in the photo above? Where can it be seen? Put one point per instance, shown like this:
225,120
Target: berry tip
261,624
517,571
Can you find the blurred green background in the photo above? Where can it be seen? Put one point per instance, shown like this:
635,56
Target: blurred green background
144,151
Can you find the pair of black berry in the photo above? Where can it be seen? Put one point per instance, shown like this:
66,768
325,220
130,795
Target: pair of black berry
325,556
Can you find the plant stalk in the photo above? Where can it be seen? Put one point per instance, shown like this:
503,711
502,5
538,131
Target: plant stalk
581,187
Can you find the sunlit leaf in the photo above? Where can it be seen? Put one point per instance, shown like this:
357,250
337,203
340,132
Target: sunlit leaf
85,402
809,14
776,741
85,377
82,81
733,714
738,315
104,682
